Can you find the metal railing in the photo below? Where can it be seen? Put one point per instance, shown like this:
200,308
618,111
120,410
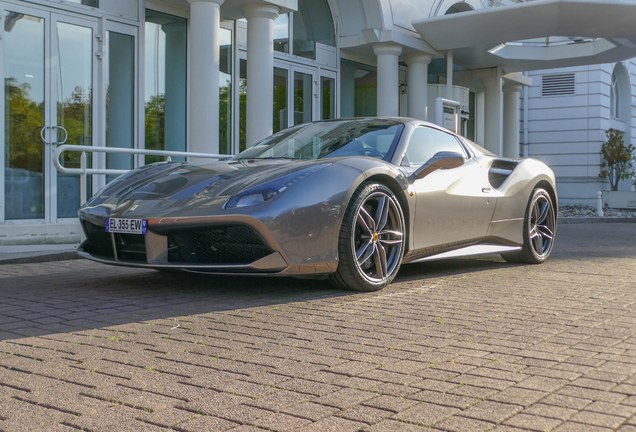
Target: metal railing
83,171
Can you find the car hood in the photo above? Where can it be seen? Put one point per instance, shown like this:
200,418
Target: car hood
183,180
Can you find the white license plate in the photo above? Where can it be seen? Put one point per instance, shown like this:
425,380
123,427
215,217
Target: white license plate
125,225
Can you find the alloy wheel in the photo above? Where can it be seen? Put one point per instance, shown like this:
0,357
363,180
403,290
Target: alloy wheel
378,237
541,226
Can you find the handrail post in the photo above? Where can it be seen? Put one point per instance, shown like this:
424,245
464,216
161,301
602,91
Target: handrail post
83,178
82,189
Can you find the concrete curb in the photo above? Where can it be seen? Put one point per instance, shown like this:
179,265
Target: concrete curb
581,220
41,257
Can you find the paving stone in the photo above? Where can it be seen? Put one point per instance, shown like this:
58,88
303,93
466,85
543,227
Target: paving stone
446,399
281,422
519,396
243,414
108,417
490,411
214,403
366,414
463,424
533,422
333,424
550,411
345,398
580,427
390,403
280,400
167,418
426,414
311,411
44,418
397,426
207,423
597,419
542,383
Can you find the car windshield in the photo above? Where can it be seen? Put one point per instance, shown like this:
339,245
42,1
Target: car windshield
375,138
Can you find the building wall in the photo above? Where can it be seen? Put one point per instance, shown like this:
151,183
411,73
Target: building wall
567,132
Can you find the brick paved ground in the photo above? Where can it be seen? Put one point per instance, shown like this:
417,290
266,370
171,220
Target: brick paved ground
465,345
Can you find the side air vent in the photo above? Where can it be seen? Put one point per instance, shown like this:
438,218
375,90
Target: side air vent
557,85
499,172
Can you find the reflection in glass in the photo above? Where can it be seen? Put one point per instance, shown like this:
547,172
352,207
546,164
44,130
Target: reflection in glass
280,99
281,33
165,62
242,104
225,92
312,23
302,98
23,116
93,3
358,90
120,90
74,106
328,100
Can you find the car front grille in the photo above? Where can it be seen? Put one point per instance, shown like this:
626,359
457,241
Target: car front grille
219,245
131,247
98,241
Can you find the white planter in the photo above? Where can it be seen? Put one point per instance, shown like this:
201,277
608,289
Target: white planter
620,199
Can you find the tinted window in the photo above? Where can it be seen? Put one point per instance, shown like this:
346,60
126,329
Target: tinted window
426,142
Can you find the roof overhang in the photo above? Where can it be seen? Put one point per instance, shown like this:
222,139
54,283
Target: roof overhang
487,37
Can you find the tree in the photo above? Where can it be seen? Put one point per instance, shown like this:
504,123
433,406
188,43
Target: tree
617,159
155,125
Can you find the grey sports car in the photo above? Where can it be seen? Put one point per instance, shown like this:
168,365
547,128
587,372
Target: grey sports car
350,200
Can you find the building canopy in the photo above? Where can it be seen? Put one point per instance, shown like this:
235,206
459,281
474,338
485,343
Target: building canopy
541,34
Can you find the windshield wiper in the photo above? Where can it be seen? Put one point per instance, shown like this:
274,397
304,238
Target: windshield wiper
276,157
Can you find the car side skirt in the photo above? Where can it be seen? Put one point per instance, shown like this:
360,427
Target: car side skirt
482,249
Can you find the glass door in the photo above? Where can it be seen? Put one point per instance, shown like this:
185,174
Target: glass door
327,95
50,74
73,74
304,95
25,115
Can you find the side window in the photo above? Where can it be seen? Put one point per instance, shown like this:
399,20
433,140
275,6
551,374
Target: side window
425,142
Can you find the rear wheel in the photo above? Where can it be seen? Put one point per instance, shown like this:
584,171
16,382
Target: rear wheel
371,242
539,229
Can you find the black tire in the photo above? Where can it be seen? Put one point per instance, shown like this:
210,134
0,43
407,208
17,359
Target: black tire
370,248
539,230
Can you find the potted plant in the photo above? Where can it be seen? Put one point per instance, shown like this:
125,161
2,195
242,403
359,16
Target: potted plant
617,165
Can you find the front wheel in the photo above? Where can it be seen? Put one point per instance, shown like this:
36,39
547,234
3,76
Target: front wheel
539,229
371,242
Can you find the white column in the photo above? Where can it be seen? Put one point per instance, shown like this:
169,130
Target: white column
480,109
205,22
260,70
418,85
388,81
449,74
511,91
492,117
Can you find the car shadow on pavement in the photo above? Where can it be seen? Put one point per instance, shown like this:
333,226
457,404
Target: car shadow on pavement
72,296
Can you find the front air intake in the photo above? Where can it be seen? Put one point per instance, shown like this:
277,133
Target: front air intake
219,245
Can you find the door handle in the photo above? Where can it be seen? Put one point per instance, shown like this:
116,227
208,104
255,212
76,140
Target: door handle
486,190
65,134
42,129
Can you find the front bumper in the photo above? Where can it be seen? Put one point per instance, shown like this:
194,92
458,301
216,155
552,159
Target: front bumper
210,245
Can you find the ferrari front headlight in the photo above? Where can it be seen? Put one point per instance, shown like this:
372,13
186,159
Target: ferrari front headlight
266,191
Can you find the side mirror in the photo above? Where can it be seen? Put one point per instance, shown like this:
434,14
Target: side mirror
441,160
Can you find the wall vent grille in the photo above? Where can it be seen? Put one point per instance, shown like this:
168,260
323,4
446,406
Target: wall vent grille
557,85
